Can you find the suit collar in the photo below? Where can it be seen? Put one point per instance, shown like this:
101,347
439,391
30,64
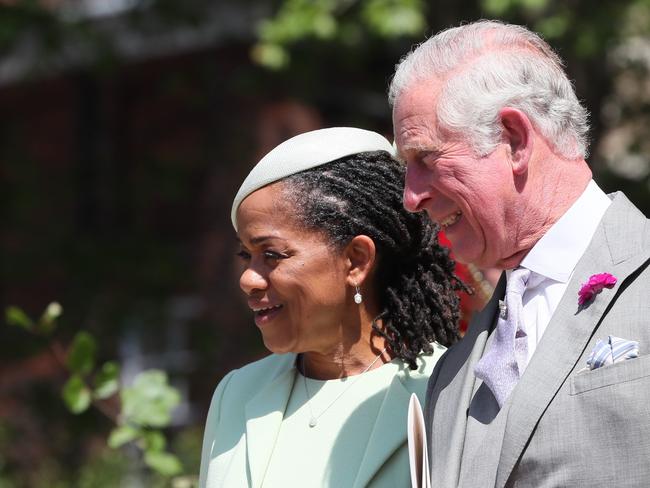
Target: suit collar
626,230
454,388
618,247
264,414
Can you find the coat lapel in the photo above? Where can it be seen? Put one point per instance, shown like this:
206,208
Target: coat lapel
388,432
264,414
616,248
452,394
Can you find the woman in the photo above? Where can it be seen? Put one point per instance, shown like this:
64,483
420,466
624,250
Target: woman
349,292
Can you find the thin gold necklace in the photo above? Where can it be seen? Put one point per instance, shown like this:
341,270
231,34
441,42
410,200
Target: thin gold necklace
313,420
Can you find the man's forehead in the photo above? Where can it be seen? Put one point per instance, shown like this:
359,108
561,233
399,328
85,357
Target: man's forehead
416,136
414,115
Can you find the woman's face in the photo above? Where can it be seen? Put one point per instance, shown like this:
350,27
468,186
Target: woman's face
295,283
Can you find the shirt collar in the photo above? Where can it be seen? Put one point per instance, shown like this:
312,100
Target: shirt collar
557,253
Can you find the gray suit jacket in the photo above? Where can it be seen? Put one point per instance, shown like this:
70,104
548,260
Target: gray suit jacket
560,427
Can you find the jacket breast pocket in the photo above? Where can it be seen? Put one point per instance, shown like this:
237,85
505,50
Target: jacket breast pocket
613,374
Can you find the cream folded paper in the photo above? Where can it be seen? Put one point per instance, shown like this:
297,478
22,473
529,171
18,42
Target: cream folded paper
417,441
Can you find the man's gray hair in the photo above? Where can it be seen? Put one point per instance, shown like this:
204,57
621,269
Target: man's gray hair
487,65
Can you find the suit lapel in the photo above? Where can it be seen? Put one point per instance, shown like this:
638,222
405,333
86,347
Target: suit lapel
264,414
451,396
388,432
616,248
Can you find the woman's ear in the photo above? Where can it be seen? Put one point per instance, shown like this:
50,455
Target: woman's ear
518,134
361,254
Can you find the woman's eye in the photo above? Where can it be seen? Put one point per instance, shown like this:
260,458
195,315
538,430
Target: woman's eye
267,255
244,255
274,255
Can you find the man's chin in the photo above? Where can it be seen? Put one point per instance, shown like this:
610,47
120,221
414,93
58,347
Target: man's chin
464,254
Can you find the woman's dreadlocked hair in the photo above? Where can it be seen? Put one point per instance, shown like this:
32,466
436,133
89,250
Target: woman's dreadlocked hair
361,194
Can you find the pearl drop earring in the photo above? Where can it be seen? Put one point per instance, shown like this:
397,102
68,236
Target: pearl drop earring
357,296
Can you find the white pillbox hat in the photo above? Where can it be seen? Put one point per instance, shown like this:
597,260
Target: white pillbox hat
306,151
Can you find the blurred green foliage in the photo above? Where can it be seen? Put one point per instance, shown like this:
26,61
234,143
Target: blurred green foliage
347,21
145,407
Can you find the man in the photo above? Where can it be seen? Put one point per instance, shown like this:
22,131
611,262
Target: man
494,140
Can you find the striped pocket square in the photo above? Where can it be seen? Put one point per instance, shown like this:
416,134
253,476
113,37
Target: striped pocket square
611,351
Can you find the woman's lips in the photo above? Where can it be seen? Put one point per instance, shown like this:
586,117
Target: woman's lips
264,315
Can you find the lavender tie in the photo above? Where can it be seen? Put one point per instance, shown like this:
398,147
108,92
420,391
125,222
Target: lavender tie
501,367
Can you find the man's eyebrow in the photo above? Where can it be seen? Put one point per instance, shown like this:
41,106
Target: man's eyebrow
414,146
418,150
400,154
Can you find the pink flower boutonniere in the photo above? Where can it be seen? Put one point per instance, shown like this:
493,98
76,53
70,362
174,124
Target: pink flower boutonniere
594,286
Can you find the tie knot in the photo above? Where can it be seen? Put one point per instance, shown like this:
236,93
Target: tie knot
517,281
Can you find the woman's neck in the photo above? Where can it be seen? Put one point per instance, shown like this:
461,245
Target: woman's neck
342,362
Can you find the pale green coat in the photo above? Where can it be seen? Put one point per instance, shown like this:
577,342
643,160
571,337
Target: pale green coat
247,409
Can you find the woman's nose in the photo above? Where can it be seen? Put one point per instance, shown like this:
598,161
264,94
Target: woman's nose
252,280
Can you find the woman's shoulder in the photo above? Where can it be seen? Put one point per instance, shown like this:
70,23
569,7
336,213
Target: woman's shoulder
266,368
415,380
246,381
425,362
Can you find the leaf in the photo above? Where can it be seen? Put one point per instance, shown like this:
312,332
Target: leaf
496,7
107,381
81,358
324,26
150,400
273,56
187,481
76,394
534,5
164,463
53,311
154,441
15,316
121,435
554,26
393,18
47,321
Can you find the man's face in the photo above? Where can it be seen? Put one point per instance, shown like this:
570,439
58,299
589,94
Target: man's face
469,196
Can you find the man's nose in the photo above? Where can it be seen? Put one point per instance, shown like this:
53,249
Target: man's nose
416,190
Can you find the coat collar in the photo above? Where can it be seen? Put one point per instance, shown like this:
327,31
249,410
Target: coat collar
265,411
454,382
388,433
619,247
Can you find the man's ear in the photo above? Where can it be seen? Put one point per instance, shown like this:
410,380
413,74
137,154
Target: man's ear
361,254
518,134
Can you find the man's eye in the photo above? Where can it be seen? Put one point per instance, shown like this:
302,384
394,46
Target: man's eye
430,159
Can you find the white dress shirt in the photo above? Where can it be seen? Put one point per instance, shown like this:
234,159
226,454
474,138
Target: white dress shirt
555,256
